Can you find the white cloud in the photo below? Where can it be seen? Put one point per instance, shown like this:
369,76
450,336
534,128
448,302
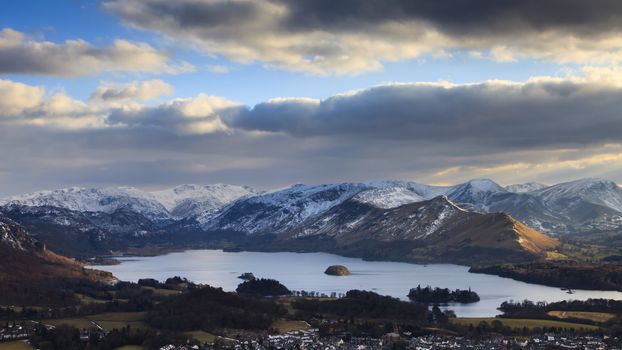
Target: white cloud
218,69
15,98
20,54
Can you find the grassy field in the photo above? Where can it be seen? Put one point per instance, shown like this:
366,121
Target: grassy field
78,322
284,326
108,321
15,345
85,299
520,323
203,337
599,317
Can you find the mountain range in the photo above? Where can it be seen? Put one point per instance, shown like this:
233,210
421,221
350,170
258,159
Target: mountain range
351,215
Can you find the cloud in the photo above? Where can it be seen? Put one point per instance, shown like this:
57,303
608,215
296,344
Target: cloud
465,118
353,36
546,129
18,97
136,90
23,104
20,54
200,115
218,69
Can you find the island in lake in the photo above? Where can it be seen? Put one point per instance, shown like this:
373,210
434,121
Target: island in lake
337,270
442,295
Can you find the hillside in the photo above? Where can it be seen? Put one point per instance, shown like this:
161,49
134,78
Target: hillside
29,272
432,230
86,222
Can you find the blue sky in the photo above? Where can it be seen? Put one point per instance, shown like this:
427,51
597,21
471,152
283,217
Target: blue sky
187,90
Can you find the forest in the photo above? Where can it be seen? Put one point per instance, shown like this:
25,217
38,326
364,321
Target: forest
563,274
442,295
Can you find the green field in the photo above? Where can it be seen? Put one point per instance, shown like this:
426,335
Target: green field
520,323
108,321
85,299
15,345
78,322
600,317
284,326
203,337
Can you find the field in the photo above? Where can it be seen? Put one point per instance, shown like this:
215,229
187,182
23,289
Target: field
520,323
85,299
599,317
107,321
202,336
284,326
15,345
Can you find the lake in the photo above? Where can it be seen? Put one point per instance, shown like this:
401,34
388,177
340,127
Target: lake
305,271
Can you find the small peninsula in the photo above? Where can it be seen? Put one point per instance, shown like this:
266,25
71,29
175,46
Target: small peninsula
337,270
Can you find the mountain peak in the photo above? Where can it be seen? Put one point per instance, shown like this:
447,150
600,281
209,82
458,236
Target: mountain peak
484,185
525,187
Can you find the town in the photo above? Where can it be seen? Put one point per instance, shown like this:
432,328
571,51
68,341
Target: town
310,339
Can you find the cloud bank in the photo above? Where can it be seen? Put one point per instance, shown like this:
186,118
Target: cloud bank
354,36
546,129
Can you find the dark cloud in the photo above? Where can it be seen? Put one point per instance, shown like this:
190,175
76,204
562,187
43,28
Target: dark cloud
497,115
460,17
353,36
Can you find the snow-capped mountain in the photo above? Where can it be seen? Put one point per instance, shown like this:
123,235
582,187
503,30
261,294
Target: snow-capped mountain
192,200
435,229
282,210
591,190
177,202
391,194
525,187
583,206
82,221
106,200
109,218
478,192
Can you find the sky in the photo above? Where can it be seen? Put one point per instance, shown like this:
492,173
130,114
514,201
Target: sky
268,93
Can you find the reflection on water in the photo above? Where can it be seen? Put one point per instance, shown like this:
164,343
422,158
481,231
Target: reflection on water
305,271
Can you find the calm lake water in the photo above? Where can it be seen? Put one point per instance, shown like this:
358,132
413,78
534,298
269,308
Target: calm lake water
305,271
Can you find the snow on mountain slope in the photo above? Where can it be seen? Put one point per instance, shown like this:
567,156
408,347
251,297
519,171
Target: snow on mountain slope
13,235
476,192
592,190
94,200
191,200
388,197
525,187
432,227
282,210
391,194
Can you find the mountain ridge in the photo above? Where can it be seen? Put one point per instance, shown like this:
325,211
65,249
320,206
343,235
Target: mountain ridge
225,213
